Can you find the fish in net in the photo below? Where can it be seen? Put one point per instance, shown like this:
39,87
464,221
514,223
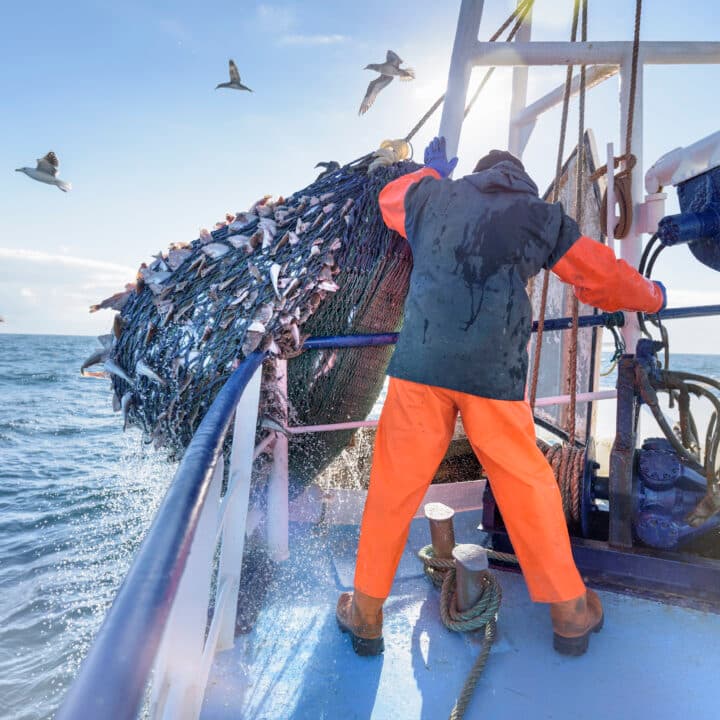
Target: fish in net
320,262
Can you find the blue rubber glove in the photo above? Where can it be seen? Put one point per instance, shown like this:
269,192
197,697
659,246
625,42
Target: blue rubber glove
664,294
436,157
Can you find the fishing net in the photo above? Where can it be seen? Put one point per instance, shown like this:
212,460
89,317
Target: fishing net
320,262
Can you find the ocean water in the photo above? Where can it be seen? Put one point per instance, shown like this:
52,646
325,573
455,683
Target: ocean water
76,497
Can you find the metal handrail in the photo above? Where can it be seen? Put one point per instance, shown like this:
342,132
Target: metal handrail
112,679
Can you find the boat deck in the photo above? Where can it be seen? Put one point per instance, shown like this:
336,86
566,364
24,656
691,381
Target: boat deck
651,659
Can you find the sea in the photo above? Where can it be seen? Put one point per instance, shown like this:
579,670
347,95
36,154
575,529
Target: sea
77,496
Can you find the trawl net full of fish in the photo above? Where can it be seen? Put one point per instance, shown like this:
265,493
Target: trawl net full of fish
320,262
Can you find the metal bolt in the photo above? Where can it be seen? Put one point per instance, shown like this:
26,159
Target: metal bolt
442,533
471,568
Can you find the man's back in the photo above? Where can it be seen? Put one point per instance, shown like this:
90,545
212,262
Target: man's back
476,242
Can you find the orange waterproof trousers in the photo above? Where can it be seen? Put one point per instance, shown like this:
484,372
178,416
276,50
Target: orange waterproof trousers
414,432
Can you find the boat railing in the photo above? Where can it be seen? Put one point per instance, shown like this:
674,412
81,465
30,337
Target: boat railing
178,603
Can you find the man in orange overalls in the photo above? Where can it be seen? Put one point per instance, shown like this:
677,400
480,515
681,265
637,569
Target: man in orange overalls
476,242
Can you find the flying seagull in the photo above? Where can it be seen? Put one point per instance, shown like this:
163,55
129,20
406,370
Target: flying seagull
234,83
388,70
46,171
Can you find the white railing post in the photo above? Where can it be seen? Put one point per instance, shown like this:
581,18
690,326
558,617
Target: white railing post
237,497
176,693
631,245
277,498
466,37
517,138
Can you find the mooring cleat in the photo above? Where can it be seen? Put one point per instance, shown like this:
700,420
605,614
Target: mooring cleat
360,616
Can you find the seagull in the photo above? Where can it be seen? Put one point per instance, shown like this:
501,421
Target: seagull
388,70
234,83
46,171
328,168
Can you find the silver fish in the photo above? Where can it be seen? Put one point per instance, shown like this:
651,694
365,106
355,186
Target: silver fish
114,302
274,276
255,272
157,278
112,367
143,369
128,400
242,242
295,331
106,340
97,357
250,342
176,257
271,424
264,313
269,228
215,250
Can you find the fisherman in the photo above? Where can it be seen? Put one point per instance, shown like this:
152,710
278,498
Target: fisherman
476,242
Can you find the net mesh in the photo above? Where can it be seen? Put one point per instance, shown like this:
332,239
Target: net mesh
320,262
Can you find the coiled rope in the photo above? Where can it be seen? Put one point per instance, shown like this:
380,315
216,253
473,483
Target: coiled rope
482,615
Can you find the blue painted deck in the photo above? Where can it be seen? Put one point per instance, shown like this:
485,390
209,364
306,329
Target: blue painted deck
650,661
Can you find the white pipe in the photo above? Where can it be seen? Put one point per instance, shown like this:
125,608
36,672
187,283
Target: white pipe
232,517
184,635
466,35
631,245
595,75
610,217
594,53
540,402
684,163
517,135
277,496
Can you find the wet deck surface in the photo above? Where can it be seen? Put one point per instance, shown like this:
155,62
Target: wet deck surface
650,661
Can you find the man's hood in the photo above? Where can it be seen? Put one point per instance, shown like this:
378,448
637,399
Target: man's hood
506,176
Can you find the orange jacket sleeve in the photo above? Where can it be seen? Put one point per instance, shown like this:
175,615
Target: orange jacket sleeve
601,280
392,198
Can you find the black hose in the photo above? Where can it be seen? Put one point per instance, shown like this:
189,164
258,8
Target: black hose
646,253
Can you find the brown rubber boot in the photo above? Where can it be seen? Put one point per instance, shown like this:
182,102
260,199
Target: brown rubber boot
360,616
573,621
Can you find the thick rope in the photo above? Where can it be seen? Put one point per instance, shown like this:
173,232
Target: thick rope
580,167
520,12
568,466
556,188
481,615
633,79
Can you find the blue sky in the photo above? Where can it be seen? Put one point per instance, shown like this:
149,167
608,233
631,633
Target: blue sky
123,92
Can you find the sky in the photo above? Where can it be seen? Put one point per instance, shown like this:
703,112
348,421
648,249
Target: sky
123,93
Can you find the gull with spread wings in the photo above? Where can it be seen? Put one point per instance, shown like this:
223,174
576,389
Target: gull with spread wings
46,171
388,70
234,83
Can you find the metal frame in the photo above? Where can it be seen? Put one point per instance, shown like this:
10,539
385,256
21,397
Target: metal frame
469,52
